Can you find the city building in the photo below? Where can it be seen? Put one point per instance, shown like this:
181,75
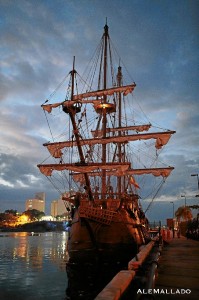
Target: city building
53,208
38,202
40,196
58,207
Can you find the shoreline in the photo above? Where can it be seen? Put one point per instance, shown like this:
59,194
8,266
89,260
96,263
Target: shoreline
38,226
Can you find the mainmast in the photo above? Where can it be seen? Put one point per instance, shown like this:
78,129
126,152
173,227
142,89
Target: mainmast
104,120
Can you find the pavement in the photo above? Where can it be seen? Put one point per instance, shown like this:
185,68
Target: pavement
178,271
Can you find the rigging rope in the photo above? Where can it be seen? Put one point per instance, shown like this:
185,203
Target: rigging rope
59,85
48,124
161,184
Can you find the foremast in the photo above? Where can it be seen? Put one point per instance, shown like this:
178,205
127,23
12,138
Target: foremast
119,82
72,110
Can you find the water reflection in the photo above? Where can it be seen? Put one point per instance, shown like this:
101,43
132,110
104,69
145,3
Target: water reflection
86,280
33,266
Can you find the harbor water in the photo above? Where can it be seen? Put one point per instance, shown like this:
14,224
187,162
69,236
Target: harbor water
33,265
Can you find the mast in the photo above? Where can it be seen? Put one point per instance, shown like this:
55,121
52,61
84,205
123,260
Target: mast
72,111
119,81
104,121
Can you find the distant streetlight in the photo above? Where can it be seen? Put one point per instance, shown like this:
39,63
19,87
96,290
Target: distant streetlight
197,179
173,208
185,200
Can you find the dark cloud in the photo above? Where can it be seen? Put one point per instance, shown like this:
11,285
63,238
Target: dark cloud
20,179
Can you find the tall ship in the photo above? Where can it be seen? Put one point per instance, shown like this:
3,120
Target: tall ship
96,157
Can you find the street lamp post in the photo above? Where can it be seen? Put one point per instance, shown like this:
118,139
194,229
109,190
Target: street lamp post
173,220
185,200
197,179
173,208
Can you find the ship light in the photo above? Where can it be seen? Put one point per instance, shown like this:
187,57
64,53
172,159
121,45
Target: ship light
109,107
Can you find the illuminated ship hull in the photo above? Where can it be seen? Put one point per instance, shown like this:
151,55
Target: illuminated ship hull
116,239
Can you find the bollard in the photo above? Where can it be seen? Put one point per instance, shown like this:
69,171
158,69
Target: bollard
163,234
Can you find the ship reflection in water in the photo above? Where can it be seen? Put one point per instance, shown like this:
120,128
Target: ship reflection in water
33,266
86,280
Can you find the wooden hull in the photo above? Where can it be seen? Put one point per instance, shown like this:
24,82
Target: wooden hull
91,240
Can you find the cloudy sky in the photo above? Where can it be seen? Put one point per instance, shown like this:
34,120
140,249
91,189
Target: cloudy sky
159,42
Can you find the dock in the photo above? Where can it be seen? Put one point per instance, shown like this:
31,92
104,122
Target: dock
177,275
179,269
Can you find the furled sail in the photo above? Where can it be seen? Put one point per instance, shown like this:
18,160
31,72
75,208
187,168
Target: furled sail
164,172
161,139
113,169
101,93
83,168
138,128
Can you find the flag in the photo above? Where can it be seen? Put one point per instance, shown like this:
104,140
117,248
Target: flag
132,181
